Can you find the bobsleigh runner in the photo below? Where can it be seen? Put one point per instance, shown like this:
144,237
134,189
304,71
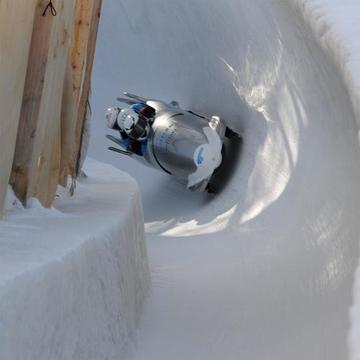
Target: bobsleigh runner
181,143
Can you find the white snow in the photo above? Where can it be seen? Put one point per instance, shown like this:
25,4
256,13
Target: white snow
73,278
336,24
337,27
266,269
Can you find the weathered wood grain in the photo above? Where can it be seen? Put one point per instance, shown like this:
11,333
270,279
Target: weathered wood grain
84,44
76,95
38,148
16,24
24,161
68,116
45,185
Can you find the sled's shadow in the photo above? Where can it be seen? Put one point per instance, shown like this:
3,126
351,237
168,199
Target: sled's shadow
231,154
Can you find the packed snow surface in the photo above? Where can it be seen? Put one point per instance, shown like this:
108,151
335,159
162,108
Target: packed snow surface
337,28
266,269
73,278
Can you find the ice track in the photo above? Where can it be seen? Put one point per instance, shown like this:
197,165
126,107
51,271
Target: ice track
266,269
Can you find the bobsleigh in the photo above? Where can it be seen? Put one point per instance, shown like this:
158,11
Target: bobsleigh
178,142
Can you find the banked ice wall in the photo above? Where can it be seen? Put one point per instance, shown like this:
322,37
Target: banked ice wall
336,27
266,269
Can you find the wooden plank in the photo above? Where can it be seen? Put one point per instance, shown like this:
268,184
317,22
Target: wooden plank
24,159
80,124
83,14
68,114
37,159
84,43
16,23
45,185
87,15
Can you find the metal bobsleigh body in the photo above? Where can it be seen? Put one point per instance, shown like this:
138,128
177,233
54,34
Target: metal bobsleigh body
181,143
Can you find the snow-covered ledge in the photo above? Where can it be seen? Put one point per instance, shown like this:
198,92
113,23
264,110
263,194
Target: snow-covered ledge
336,26
73,278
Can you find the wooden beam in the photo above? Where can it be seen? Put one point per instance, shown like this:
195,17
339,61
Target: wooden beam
68,115
44,187
16,24
23,167
37,159
87,16
83,54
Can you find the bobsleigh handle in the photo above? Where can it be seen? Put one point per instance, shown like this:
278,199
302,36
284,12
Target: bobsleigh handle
136,97
122,152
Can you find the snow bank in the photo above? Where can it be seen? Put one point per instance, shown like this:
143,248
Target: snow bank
336,25
73,278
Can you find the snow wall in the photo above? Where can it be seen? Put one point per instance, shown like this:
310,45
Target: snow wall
73,278
266,269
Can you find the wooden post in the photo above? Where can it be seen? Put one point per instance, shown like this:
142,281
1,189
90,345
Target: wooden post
84,43
49,171
68,124
37,159
76,94
72,90
16,23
